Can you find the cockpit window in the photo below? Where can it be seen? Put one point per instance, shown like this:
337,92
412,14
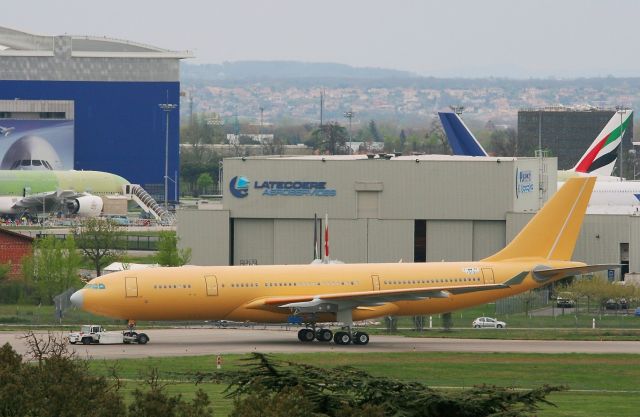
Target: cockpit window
46,163
99,286
26,162
15,165
36,163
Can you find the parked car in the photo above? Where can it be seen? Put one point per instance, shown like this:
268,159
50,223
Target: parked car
637,313
620,304
482,322
565,302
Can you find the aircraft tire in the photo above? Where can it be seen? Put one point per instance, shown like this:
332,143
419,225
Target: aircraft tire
360,338
342,338
324,335
143,339
306,335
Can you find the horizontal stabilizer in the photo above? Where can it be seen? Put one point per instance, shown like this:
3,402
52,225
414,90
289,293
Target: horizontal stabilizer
543,273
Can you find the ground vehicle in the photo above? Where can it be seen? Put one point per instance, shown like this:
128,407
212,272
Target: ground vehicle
565,302
481,322
93,333
120,220
637,313
619,304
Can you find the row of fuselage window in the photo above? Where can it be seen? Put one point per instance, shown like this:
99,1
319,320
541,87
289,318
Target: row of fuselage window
434,281
333,283
171,286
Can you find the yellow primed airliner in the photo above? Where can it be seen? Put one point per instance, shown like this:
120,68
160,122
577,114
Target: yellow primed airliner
320,293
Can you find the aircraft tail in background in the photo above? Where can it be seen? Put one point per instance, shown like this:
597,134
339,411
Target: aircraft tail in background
601,156
460,137
554,230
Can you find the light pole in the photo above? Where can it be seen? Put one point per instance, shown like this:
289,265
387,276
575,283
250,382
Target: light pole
167,107
349,115
457,109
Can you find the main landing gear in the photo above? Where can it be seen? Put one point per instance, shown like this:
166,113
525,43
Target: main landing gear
340,338
345,336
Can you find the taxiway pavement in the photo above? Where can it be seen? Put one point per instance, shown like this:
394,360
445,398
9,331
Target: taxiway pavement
182,342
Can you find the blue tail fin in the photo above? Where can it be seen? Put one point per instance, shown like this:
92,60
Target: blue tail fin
460,137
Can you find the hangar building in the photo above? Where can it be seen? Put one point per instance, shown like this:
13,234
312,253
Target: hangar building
107,90
410,209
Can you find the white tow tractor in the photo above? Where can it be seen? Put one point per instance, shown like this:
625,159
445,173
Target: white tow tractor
96,334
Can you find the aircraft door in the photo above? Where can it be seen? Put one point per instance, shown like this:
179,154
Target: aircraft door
131,286
375,281
487,274
211,282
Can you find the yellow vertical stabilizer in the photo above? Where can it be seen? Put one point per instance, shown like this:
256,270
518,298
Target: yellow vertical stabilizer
553,231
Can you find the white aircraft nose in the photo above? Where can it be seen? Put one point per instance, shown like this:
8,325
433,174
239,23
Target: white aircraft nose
77,298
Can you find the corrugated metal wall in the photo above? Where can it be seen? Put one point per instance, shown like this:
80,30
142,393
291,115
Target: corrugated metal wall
206,232
390,240
449,240
488,238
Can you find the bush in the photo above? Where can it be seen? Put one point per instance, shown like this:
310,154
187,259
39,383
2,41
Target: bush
17,292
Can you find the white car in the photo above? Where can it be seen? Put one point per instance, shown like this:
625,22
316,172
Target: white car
482,322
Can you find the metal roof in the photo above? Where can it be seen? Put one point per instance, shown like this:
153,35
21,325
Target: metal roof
26,44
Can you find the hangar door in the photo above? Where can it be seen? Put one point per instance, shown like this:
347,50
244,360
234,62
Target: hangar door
131,286
212,284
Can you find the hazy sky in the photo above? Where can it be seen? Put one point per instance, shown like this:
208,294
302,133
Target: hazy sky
472,38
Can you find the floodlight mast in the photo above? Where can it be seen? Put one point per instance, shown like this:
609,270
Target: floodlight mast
167,108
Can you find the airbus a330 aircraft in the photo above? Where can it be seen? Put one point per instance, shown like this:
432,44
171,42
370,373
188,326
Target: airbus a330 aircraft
75,192
610,195
320,293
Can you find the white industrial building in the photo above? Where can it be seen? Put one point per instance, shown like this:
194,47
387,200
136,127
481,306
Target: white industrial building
386,209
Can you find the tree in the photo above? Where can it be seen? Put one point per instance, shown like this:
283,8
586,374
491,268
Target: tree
331,138
53,267
100,240
204,181
156,402
403,140
349,392
52,382
504,142
168,252
373,131
437,139
4,270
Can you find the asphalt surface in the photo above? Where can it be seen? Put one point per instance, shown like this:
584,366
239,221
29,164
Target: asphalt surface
182,342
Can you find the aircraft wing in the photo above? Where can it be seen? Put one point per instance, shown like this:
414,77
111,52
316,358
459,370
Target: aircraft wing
367,298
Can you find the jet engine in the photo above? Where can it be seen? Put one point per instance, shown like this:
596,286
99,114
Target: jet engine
86,206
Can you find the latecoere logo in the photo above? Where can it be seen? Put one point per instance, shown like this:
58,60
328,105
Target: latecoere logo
239,187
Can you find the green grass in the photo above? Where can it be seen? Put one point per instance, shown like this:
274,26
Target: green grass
442,369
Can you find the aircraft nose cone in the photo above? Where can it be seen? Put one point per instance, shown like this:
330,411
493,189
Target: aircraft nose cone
77,298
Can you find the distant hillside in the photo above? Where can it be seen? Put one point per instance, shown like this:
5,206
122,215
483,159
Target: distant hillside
255,70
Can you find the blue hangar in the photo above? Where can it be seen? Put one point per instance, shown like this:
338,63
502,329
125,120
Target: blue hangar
105,94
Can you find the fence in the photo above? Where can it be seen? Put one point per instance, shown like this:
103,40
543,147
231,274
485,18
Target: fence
133,242
523,303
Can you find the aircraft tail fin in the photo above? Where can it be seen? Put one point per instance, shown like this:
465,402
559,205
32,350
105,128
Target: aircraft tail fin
553,231
460,137
601,156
